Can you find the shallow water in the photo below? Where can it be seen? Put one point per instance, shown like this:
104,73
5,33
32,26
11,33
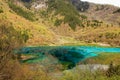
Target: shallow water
67,54
100,49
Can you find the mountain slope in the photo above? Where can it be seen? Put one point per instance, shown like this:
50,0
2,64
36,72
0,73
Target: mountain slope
59,22
107,13
39,33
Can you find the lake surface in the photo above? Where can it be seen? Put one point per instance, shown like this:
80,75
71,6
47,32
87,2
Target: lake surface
65,54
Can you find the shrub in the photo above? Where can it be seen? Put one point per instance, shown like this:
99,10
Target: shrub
1,11
57,22
83,16
117,11
66,9
20,11
113,70
86,74
109,35
10,39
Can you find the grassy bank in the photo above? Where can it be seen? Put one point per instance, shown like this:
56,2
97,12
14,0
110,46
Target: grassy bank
104,58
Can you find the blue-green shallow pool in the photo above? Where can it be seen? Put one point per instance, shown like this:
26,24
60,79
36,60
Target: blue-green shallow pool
67,54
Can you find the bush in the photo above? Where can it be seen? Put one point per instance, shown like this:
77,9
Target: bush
66,9
57,22
83,16
1,11
10,40
20,11
117,11
109,35
86,74
113,70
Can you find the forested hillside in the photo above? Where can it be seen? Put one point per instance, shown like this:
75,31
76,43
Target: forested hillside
55,23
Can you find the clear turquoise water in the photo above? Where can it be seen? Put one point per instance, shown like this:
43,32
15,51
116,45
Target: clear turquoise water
100,49
70,54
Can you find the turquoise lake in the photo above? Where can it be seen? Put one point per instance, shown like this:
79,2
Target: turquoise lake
68,54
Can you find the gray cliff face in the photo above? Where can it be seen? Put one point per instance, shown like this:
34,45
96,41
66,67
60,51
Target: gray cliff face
38,4
35,4
81,6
